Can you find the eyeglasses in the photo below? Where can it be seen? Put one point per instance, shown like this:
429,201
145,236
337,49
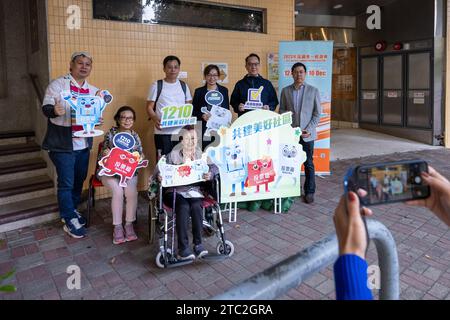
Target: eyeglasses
127,118
212,75
253,64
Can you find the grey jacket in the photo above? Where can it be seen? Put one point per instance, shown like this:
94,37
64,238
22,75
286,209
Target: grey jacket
309,117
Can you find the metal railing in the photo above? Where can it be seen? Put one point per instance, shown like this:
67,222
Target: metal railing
37,87
290,273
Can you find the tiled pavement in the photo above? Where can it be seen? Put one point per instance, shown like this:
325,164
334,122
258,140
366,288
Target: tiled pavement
40,255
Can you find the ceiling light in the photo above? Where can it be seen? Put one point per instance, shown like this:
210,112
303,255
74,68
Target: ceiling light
338,6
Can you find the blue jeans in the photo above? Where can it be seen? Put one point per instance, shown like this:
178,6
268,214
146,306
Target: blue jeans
310,182
71,168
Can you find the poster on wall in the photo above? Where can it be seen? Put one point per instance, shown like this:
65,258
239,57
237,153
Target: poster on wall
272,69
318,58
259,157
223,67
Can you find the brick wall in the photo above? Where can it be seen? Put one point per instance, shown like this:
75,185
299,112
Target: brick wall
128,56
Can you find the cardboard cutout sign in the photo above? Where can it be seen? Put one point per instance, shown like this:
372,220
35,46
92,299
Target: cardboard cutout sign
88,111
183,174
214,98
219,117
177,116
260,172
254,99
259,149
119,161
124,141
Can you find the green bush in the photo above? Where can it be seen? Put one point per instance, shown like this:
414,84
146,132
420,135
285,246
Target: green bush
7,287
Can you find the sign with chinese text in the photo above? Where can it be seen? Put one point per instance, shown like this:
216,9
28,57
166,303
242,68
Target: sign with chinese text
180,116
259,157
119,161
183,174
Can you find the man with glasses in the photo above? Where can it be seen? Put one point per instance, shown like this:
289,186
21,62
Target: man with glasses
303,100
264,91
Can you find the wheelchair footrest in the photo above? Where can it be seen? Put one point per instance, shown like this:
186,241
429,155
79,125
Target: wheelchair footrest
178,263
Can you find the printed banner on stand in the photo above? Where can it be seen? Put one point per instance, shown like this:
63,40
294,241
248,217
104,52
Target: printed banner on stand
318,58
259,157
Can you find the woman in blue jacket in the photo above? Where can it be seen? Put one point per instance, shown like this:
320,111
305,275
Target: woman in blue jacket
211,74
350,269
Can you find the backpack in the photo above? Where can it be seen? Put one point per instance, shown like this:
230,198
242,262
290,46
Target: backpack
160,86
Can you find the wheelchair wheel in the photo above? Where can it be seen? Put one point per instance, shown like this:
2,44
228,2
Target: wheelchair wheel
228,250
160,259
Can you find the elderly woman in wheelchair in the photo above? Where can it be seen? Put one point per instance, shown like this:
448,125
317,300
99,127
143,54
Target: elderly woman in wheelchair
173,206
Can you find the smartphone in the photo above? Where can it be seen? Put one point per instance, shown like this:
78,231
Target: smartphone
388,182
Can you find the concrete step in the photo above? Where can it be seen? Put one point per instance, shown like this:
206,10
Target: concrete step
29,212
21,169
25,189
23,174
16,137
21,151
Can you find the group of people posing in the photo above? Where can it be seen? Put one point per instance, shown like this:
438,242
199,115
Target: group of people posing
70,154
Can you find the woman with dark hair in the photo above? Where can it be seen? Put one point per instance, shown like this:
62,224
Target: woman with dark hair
211,75
125,118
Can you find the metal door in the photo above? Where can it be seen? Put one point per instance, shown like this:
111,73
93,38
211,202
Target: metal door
419,105
392,100
369,98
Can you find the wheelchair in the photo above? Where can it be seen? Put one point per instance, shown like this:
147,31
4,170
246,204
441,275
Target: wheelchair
162,219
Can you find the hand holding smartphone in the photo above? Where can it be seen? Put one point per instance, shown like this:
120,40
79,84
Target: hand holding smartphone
388,182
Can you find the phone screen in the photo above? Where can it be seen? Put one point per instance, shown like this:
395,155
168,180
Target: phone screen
392,183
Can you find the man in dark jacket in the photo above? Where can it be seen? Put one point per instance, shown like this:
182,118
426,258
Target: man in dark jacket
69,154
253,80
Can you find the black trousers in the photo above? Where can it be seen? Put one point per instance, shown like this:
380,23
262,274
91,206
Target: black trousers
185,208
164,143
310,182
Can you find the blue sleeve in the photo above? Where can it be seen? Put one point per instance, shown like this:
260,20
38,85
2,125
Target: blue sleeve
350,276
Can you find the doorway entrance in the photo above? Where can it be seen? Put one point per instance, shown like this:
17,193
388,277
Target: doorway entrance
396,94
